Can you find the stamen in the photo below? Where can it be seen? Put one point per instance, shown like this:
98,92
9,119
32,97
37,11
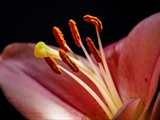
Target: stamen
94,50
103,90
94,20
62,43
75,32
53,65
112,107
70,50
111,86
90,61
96,54
79,42
59,38
65,58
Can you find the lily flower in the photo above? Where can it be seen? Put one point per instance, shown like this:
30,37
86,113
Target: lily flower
119,84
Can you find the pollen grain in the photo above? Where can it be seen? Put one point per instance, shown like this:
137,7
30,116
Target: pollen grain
94,20
53,65
94,50
65,58
74,31
59,38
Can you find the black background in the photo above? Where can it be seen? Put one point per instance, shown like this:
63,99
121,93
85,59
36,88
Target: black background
32,21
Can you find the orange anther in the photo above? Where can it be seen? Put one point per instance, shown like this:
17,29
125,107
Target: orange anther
53,65
94,20
94,50
74,31
59,38
65,58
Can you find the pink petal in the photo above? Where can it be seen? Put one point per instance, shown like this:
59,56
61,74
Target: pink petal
135,63
22,68
32,99
112,53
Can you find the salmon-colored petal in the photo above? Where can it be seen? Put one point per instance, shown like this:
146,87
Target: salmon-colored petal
139,62
112,53
134,63
152,88
31,99
155,113
20,57
127,111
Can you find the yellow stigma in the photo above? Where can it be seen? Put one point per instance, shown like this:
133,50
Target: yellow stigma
111,101
41,50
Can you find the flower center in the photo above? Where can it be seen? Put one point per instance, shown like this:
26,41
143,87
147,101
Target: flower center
103,82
